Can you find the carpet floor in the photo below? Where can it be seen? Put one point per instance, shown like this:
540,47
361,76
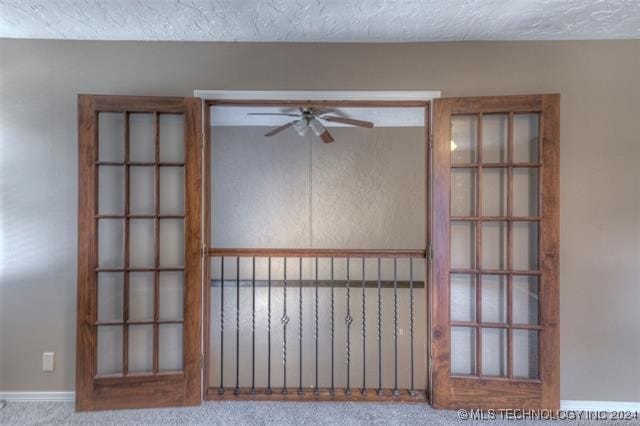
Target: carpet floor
240,413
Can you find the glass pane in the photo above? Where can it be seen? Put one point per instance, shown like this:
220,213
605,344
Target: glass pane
463,350
140,348
170,347
110,136
463,245
141,134
141,243
110,296
171,243
111,243
525,299
494,245
494,298
494,352
525,246
525,138
525,354
464,138
141,190
494,192
525,191
111,190
171,295
463,297
141,296
171,137
463,192
171,190
494,138
109,349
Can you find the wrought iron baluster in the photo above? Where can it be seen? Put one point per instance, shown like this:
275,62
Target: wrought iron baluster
412,391
363,391
300,390
221,388
379,333
268,390
253,325
348,320
332,391
396,392
236,391
316,390
284,320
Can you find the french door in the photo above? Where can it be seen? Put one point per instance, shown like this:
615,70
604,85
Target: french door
139,252
494,310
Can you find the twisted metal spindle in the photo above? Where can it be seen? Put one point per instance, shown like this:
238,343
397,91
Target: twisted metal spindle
253,325
300,390
396,392
332,391
284,320
268,390
363,391
348,320
316,390
379,333
412,391
236,391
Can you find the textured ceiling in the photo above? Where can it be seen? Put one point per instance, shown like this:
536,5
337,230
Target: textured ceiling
315,21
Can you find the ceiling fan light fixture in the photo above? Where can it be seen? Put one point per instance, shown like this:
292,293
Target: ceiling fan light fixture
316,126
300,127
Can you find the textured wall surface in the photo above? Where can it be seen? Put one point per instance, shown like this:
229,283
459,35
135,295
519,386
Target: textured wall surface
333,20
600,191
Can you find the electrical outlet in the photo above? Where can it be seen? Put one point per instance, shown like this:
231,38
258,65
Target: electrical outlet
47,361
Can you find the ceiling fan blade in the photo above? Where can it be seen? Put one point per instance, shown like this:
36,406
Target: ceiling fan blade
350,121
281,128
326,136
322,111
273,113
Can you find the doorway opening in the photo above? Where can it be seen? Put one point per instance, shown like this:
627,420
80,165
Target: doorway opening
317,271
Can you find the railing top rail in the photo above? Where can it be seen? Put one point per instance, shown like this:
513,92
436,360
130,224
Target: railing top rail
305,252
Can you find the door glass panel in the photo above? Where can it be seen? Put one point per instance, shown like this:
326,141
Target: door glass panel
494,191
525,138
525,299
464,138
525,191
494,298
525,246
463,350
111,243
140,348
110,296
170,347
141,138
141,190
141,289
494,352
109,349
111,136
463,297
141,243
171,138
494,138
111,190
463,245
172,190
494,245
525,354
463,192
171,242
171,295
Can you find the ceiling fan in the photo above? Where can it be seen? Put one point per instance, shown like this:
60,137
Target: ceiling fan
309,118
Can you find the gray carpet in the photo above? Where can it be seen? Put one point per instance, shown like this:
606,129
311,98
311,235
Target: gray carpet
238,413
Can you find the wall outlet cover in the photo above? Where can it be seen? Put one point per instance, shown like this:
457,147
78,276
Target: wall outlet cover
47,361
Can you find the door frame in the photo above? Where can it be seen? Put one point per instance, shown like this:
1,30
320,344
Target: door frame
365,99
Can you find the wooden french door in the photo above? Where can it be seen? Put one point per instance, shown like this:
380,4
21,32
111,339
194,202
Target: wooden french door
139,252
495,330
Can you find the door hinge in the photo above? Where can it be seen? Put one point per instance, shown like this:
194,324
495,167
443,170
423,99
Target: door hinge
430,253
203,251
201,361
430,141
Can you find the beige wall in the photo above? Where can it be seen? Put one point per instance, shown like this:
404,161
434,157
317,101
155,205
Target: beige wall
600,186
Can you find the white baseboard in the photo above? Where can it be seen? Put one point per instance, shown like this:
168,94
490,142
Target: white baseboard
572,405
38,396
